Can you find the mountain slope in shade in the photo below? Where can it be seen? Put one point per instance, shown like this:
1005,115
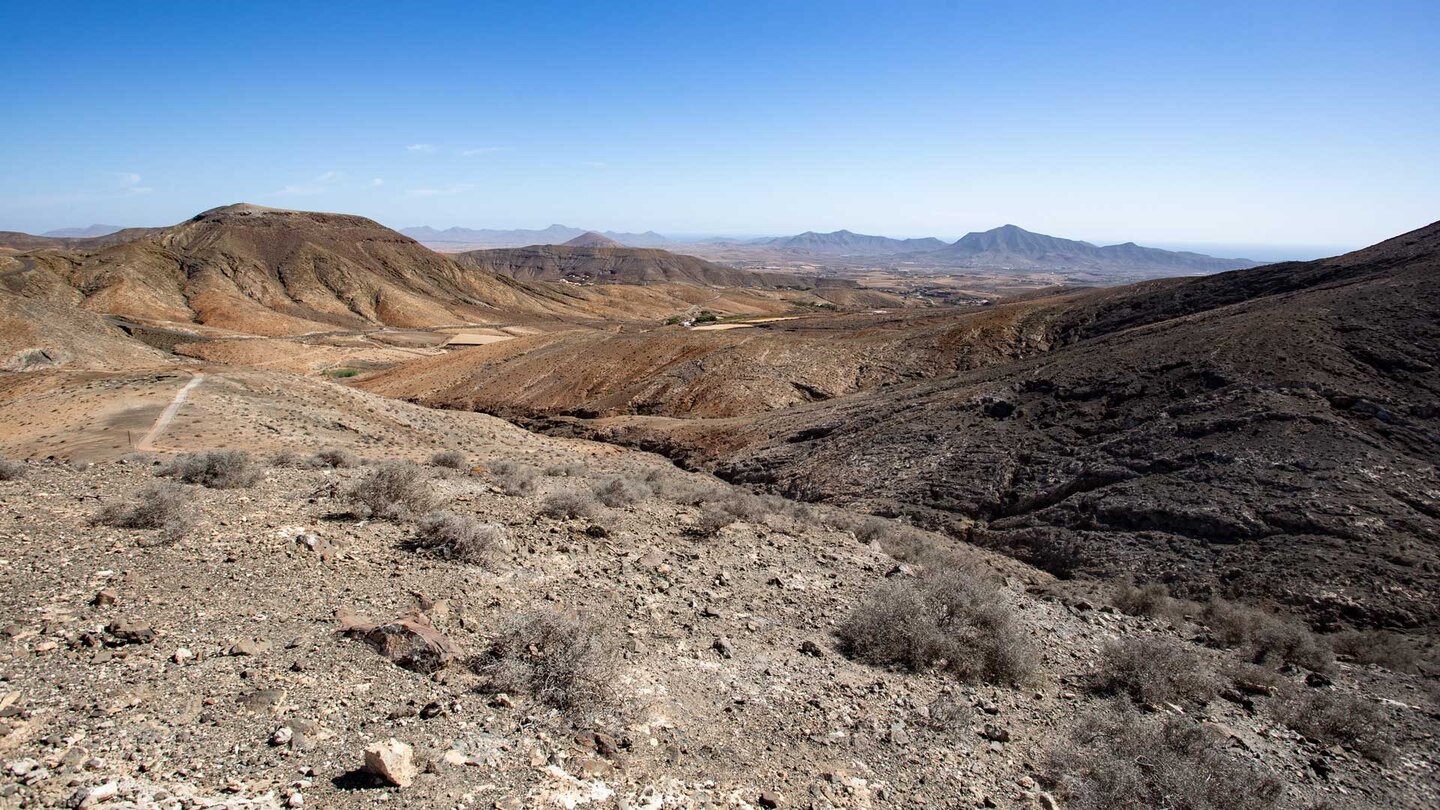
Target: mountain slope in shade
590,239
83,233
1014,248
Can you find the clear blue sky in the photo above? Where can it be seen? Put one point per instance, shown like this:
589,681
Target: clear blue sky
1207,122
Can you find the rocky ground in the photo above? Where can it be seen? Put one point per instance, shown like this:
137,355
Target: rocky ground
212,672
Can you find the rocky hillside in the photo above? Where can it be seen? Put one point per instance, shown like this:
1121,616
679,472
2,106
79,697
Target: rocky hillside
613,264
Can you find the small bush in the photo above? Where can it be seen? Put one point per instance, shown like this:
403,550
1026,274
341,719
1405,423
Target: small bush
1151,599
1251,679
944,620
159,506
1330,717
12,470
395,490
449,459
682,489
337,458
459,537
710,521
1118,759
514,478
569,504
563,660
216,469
285,458
621,491
1382,648
572,470
1265,637
1153,670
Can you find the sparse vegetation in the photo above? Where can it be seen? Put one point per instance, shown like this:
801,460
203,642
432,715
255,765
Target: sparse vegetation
621,490
342,373
572,470
945,620
1151,599
1332,717
12,470
1266,638
337,458
395,490
710,521
449,459
1382,648
1118,759
564,660
162,506
569,504
285,459
216,469
460,537
515,478
1153,670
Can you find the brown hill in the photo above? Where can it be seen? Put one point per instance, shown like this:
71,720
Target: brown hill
591,239
622,265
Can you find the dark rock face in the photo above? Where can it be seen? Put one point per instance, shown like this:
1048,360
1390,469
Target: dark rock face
1264,434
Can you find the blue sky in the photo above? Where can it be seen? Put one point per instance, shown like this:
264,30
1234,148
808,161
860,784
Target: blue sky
1306,123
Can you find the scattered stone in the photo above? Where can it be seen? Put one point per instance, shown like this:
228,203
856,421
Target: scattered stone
723,647
410,641
182,655
85,798
104,598
810,648
768,799
282,736
392,761
995,733
127,633
250,647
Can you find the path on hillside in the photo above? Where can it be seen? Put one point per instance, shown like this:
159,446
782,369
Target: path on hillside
163,421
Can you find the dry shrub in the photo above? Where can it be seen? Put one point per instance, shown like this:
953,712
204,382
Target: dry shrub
564,660
682,489
1382,648
1154,670
449,459
569,504
460,537
1150,599
514,478
1266,638
710,521
12,470
946,620
395,490
216,469
285,458
1331,717
336,458
1252,679
572,470
1118,759
159,506
622,491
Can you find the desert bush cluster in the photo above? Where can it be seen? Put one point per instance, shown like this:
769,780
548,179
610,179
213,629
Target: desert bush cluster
394,490
1151,599
569,504
1264,637
618,491
1381,648
337,458
460,537
162,506
1119,759
515,478
1154,670
564,660
449,460
215,469
1333,717
945,620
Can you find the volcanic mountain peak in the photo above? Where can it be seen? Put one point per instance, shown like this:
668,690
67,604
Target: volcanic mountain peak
592,239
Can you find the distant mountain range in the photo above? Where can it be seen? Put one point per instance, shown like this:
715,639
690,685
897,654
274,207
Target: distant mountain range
553,235
848,243
83,233
1013,248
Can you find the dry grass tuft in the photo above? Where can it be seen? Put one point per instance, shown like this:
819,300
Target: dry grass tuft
460,537
621,491
570,504
165,507
514,478
1118,759
395,490
449,459
12,470
1153,670
945,620
337,458
565,661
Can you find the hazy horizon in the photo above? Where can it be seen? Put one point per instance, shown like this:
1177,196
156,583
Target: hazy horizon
1209,125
